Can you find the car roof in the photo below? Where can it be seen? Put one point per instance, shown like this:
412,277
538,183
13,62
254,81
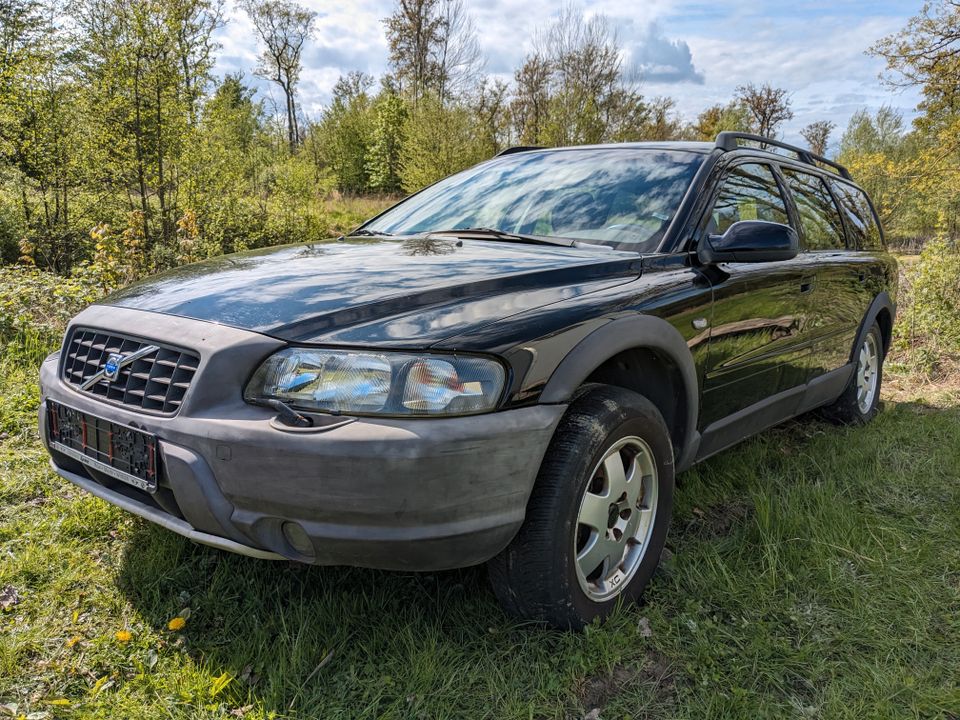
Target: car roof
683,145
726,142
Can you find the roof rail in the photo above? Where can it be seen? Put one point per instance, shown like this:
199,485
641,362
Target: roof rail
728,141
518,149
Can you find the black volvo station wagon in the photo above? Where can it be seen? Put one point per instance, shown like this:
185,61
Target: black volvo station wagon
508,367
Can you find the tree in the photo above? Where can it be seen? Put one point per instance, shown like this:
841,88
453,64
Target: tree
137,94
769,107
491,114
734,117
662,121
573,88
531,99
882,156
433,49
593,99
414,31
38,130
817,135
880,133
438,141
383,160
346,129
926,54
283,27
222,170
437,68
459,58
22,26
194,24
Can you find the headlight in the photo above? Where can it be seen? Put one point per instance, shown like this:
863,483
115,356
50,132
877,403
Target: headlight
372,383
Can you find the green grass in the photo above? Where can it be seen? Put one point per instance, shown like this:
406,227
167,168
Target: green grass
813,572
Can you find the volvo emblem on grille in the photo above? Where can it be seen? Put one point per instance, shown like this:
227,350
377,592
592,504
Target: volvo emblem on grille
111,368
114,364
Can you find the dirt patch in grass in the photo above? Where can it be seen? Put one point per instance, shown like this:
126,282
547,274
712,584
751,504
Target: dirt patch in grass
601,689
718,520
656,673
658,670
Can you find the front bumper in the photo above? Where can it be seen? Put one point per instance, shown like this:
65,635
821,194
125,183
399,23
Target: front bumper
425,494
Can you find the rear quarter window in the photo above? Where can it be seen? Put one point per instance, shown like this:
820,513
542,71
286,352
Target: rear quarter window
861,221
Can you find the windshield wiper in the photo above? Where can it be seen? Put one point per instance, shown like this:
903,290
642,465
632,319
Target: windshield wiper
363,232
481,232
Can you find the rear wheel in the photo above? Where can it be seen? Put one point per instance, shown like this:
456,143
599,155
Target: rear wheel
598,515
861,398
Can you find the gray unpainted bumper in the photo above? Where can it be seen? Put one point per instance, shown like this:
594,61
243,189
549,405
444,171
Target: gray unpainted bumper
425,494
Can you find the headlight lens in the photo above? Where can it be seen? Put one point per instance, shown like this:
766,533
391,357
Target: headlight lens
369,383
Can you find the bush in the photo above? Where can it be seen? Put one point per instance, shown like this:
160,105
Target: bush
931,298
35,307
11,231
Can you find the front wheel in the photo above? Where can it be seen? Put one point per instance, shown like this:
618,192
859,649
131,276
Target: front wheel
598,516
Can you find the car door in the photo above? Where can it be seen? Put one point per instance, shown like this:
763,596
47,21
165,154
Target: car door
756,344
835,305
871,269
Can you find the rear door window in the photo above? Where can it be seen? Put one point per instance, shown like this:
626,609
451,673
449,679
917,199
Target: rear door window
861,222
749,192
819,216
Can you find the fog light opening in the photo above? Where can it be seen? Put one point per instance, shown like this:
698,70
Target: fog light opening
298,539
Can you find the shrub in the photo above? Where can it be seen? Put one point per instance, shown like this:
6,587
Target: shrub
35,306
931,298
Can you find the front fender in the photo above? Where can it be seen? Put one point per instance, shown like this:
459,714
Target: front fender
641,331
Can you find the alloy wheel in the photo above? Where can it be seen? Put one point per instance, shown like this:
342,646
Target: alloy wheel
616,519
868,373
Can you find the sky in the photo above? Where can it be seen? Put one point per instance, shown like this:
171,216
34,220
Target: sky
696,51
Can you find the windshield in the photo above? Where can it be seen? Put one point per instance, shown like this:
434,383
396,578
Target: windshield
620,197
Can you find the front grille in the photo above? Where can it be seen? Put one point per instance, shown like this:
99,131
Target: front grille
155,382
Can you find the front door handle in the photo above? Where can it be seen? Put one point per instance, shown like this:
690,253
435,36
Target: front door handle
806,285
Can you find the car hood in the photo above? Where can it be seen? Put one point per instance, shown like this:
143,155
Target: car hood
374,291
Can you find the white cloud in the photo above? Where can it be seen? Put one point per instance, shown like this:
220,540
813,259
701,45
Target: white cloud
822,64
662,60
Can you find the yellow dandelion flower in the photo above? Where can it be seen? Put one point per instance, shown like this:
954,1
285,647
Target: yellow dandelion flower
123,636
177,623
73,641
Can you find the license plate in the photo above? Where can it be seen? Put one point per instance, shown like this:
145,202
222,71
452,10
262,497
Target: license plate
122,452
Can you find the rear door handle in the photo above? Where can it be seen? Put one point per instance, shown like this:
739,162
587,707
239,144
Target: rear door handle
806,285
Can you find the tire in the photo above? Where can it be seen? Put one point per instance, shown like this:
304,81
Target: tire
860,399
540,576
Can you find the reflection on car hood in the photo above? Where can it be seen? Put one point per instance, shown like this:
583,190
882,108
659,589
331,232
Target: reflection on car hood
375,291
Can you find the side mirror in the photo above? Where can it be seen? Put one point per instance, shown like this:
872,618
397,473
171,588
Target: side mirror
751,241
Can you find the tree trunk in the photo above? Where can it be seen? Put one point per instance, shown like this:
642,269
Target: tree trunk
161,184
187,78
291,116
138,147
296,123
25,201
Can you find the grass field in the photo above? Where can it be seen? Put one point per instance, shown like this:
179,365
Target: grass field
812,572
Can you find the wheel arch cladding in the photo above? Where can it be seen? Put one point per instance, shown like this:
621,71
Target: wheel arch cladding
644,354
883,312
885,321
